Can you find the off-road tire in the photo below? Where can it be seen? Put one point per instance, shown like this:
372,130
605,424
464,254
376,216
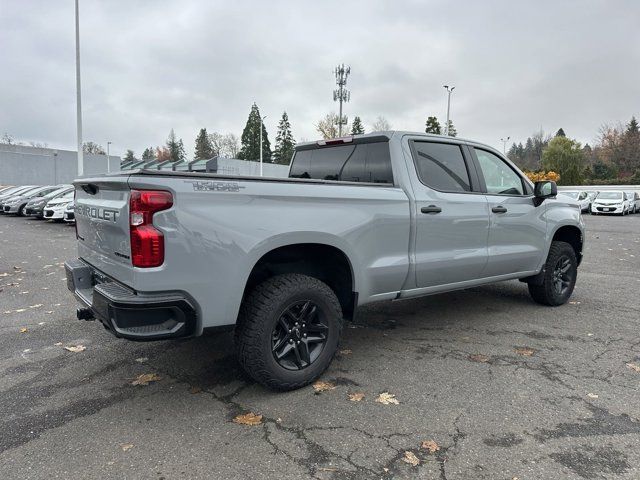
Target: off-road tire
261,310
546,293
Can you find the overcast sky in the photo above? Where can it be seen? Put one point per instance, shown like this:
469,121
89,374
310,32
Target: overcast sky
149,66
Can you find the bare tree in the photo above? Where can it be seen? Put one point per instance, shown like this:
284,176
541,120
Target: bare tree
328,126
7,139
225,144
92,147
381,124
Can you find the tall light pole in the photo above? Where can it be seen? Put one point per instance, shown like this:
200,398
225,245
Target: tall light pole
504,145
449,90
108,159
78,100
341,94
261,128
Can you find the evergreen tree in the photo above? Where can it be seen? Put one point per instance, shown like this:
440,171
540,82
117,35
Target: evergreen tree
175,147
433,126
285,142
560,133
129,156
204,147
632,127
451,130
250,140
356,127
149,154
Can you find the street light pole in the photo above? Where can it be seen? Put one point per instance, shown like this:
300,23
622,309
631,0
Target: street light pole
78,100
108,159
504,145
449,90
261,128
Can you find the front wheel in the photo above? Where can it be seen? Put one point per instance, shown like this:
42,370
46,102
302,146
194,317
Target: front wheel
560,274
288,331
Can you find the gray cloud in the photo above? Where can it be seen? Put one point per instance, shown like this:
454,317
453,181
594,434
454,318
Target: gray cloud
148,66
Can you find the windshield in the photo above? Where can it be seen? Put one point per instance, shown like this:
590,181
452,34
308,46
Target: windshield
609,195
569,194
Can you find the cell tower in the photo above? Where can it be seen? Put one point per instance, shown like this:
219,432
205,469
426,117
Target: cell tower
341,94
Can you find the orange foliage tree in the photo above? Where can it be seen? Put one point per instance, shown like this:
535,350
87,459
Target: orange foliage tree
543,176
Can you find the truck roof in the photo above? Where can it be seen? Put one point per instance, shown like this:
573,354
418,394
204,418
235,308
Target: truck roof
388,134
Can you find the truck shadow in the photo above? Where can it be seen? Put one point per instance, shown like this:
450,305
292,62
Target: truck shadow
209,361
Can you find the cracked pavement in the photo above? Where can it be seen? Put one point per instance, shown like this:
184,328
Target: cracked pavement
571,410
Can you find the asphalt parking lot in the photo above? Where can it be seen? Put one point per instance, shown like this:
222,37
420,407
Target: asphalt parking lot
505,388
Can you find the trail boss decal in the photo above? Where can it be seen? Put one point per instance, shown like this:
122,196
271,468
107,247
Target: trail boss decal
210,186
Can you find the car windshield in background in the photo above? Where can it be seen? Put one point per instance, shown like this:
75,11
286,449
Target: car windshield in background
364,162
609,196
573,195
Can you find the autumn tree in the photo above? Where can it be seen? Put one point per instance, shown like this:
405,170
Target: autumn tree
204,147
564,155
163,154
357,128
250,140
433,126
285,142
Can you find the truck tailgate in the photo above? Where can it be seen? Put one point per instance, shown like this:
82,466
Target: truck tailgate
102,222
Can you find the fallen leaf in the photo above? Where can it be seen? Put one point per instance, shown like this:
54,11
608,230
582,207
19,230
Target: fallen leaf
574,303
592,395
634,367
385,469
478,357
20,310
430,446
387,398
58,344
24,330
411,459
248,419
356,397
7,312
145,378
38,305
126,446
40,323
346,351
327,469
17,268
195,390
321,386
24,293
49,311
524,351
142,359
4,274
76,348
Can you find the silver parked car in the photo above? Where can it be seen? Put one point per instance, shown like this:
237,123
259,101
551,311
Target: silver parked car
634,201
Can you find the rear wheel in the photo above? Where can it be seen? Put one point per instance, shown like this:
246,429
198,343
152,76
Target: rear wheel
560,274
288,331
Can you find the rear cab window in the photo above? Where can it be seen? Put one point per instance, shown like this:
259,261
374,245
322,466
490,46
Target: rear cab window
368,162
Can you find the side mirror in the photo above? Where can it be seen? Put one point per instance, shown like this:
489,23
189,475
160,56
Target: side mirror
545,189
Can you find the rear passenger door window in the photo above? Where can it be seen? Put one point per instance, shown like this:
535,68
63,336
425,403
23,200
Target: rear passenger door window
499,177
442,166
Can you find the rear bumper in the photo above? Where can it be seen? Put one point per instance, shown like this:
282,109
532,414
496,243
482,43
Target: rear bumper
127,313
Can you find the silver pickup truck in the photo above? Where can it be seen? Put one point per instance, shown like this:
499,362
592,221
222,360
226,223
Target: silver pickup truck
284,261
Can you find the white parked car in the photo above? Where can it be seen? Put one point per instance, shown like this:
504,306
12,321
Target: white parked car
581,197
54,210
70,213
614,202
634,201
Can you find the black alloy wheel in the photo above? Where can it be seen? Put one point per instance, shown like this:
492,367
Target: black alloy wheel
299,336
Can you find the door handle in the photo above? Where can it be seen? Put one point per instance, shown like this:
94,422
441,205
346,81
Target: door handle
499,209
431,209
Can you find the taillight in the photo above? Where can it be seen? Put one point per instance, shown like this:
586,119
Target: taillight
147,242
